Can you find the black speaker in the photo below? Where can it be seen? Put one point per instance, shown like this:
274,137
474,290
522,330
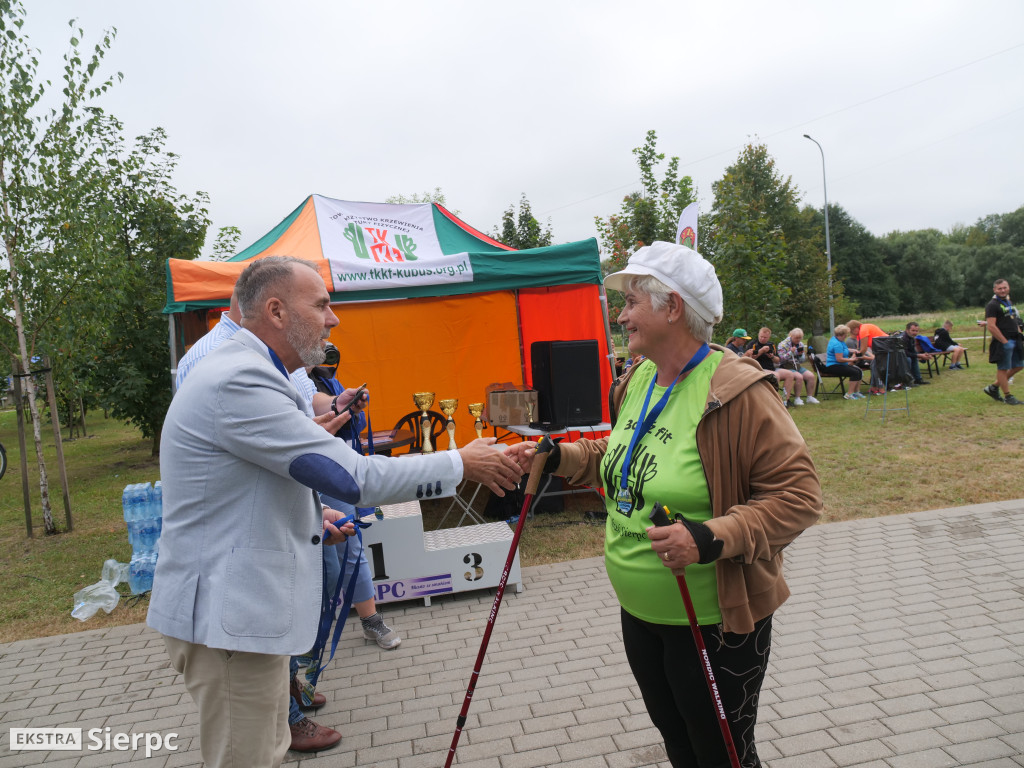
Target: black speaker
567,377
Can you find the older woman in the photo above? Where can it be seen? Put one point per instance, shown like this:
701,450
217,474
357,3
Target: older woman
840,359
703,432
792,356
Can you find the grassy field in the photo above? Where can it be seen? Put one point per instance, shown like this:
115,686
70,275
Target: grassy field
954,447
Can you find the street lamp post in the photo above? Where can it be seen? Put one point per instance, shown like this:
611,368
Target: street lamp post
828,247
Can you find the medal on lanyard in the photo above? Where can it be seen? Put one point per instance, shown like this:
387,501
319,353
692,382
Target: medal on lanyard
623,498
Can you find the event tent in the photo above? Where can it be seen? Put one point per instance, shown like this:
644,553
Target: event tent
425,302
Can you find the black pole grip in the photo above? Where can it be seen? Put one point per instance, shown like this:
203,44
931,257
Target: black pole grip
659,515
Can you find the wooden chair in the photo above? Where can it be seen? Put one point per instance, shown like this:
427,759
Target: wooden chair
838,389
412,421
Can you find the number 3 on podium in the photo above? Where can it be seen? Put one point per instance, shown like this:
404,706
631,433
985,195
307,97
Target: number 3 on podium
473,560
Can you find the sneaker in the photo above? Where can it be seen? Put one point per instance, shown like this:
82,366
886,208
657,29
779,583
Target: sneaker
878,390
1011,400
375,629
921,383
956,367
849,396
812,400
859,396
798,401
993,391
307,736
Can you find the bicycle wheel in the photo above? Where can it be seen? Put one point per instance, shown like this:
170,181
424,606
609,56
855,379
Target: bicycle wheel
3,461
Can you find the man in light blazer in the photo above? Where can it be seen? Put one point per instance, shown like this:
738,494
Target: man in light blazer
238,582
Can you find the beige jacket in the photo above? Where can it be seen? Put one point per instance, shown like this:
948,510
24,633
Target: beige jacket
763,486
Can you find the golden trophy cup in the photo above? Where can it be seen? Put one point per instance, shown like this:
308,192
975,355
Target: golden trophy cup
423,401
476,410
448,408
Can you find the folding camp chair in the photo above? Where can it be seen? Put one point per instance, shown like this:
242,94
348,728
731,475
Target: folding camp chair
838,389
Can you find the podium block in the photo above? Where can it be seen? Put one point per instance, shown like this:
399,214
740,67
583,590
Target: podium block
409,563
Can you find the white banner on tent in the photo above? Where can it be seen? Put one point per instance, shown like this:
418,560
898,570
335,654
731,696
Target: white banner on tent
371,246
687,228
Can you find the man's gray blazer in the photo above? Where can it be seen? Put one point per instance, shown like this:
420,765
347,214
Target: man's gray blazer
240,564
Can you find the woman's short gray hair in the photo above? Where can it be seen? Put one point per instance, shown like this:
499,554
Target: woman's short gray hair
262,277
658,293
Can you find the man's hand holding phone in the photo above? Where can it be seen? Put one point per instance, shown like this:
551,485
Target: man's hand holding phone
353,400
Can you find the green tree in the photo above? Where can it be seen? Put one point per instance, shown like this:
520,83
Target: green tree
52,177
984,265
149,223
437,196
521,230
926,272
859,263
226,244
747,244
651,214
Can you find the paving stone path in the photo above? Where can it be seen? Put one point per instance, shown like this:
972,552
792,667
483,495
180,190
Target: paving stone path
902,647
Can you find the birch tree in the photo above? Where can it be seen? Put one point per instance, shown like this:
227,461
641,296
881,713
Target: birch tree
52,181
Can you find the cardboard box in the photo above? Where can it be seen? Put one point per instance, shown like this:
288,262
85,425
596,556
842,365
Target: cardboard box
511,406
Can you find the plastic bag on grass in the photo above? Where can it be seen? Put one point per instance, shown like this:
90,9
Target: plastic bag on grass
102,594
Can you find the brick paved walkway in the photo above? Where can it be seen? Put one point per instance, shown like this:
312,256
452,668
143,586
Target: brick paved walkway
902,647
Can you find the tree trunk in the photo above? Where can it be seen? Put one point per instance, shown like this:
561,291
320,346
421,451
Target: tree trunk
30,388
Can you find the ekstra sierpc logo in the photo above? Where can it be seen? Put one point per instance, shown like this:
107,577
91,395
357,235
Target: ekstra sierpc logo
48,739
70,739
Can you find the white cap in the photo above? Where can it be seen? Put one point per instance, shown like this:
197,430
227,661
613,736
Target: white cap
682,270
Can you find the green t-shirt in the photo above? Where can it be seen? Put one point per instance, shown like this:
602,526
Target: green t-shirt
665,467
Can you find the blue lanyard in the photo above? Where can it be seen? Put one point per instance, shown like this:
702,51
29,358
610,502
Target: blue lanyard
647,420
277,363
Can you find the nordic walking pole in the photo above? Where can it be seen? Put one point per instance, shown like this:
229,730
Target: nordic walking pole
543,448
659,516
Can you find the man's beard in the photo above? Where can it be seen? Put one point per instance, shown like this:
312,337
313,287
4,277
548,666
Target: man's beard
306,341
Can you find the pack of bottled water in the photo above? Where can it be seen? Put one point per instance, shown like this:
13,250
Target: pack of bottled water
143,514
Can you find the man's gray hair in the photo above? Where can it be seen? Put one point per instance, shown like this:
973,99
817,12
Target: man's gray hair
658,292
264,277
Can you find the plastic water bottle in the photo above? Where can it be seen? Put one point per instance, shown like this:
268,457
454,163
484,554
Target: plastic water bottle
140,573
126,501
158,507
114,572
143,514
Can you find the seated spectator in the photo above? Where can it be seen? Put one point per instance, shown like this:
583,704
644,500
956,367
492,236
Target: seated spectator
910,342
764,351
738,341
839,359
793,355
945,342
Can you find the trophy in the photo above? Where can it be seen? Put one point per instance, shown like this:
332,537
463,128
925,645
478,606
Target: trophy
529,413
476,410
423,401
448,409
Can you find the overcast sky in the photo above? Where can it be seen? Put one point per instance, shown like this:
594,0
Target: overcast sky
919,106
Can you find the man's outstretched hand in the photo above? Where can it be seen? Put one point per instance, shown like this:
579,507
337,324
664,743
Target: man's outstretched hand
483,463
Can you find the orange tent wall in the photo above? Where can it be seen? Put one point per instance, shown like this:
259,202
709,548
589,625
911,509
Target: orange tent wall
455,346
451,346
565,313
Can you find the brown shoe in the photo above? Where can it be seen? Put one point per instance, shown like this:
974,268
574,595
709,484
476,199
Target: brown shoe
295,691
307,736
